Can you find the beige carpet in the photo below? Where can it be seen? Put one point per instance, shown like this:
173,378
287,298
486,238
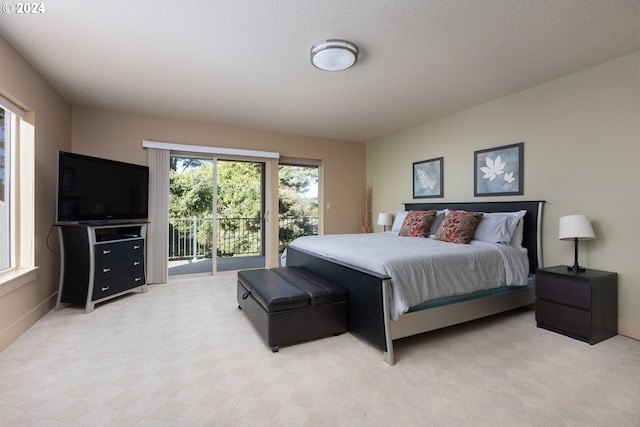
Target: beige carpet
184,355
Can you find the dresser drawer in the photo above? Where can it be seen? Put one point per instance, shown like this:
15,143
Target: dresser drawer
112,286
109,268
557,317
124,249
563,289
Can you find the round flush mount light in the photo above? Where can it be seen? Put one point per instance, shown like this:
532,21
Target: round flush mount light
334,55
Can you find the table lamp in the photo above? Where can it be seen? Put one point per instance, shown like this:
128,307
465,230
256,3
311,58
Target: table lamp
576,228
385,219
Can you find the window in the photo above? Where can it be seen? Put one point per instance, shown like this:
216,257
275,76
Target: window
17,177
6,138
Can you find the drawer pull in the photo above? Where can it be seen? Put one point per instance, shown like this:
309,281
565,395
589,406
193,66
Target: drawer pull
106,270
106,251
104,288
136,247
137,279
136,263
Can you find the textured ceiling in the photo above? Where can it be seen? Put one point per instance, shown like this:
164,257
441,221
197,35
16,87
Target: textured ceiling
246,63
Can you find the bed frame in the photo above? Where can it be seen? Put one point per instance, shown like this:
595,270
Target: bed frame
369,292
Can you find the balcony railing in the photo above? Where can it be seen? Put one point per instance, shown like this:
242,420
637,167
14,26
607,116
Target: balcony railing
190,238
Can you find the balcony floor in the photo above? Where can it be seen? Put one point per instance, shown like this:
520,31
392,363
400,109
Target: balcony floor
180,267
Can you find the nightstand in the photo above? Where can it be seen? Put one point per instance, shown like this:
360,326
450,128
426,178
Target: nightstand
581,305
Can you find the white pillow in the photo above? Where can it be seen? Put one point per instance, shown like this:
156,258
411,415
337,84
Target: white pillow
439,217
497,227
398,220
516,239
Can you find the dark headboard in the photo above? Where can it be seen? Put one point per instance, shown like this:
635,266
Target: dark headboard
532,236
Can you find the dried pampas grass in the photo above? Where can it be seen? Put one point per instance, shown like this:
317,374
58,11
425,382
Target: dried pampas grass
366,223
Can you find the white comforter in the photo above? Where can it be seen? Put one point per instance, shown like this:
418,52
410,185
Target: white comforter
423,268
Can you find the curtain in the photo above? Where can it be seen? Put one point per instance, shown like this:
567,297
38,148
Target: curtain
158,228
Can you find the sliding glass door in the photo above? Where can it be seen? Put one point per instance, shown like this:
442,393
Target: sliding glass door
298,202
216,215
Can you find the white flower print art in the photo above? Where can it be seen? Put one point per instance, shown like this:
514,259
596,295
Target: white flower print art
499,170
493,168
427,178
509,177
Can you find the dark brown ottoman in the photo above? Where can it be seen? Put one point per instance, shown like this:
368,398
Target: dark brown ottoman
289,304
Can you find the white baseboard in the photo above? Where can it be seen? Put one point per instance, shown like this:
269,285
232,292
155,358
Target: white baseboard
10,334
629,328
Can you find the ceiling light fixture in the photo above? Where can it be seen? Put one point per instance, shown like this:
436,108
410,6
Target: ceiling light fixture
334,55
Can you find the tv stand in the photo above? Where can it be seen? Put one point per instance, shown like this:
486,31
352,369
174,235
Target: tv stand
100,262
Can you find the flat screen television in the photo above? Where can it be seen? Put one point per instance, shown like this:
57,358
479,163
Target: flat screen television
95,190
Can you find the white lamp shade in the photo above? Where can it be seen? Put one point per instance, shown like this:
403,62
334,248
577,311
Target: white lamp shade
575,227
385,219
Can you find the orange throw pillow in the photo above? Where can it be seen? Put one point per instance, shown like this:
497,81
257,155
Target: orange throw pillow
417,223
458,227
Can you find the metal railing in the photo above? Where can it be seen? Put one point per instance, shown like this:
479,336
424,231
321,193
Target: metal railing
290,228
190,238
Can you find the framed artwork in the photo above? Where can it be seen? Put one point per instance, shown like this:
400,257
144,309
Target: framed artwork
499,171
427,179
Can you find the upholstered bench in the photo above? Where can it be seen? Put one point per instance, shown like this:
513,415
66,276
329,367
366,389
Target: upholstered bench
289,304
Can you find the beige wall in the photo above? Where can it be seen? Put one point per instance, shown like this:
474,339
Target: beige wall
581,139
119,136
51,115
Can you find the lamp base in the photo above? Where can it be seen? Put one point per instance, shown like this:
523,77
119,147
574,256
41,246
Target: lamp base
576,268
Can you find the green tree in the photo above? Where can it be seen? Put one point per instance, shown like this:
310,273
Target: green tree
191,192
239,189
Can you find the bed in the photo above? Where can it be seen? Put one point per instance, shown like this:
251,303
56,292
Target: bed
372,311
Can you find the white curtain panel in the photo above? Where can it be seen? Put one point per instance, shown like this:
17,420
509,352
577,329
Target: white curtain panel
158,228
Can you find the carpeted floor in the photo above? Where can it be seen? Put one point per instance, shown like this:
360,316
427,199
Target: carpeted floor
184,355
